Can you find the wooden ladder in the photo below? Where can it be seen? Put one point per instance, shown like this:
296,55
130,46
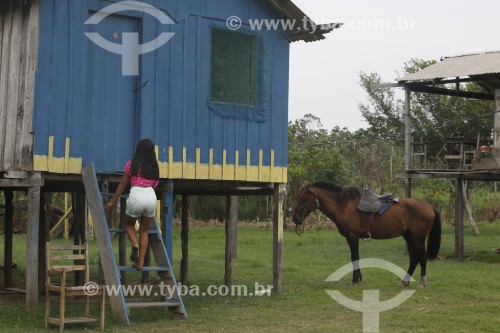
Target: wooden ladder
170,297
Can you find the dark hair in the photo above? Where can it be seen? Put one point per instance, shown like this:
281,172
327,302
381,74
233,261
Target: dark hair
144,161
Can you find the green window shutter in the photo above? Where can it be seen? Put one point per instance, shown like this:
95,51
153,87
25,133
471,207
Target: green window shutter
234,67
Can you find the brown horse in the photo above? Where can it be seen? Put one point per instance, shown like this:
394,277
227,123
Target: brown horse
413,219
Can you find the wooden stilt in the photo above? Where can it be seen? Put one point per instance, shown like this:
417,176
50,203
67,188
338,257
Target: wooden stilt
408,140
43,237
230,239
233,224
79,236
9,230
184,240
32,249
122,241
167,216
459,220
278,199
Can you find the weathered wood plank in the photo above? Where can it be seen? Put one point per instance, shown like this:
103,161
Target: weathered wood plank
66,247
4,75
106,252
67,257
32,250
26,142
21,182
153,304
13,87
21,61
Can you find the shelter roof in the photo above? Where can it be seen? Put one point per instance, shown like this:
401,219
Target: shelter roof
477,65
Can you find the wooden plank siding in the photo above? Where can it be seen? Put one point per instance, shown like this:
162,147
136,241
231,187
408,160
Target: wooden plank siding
87,111
19,25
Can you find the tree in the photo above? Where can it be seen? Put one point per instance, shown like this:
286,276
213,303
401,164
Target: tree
311,155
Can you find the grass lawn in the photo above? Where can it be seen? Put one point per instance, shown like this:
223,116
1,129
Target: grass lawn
459,297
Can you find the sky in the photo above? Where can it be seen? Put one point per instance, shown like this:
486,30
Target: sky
379,37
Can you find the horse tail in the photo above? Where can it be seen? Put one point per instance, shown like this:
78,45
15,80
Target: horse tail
434,241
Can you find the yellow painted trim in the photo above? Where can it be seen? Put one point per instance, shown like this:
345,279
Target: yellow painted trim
162,166
189,168
261,170
211,164
184,167
271,168
66,156
75,165
170,162
51,154
202,170
236,164
178,170
40,163
247,171
224,169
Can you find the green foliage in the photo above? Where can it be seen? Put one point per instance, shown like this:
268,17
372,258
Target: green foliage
312,155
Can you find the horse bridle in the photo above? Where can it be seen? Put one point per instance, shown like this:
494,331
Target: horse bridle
299,229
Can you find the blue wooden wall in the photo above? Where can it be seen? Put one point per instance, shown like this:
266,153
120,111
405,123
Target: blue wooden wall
86,110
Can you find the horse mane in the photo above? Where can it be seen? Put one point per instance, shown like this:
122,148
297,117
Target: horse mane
346,194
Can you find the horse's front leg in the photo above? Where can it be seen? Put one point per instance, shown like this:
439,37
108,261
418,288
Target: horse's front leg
354,246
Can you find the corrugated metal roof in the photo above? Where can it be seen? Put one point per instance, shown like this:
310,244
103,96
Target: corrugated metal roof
292,12
458,66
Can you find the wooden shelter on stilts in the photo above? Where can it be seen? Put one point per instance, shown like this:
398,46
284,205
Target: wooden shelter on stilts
461,158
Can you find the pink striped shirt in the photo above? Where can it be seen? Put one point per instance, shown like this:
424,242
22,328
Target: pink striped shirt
138,180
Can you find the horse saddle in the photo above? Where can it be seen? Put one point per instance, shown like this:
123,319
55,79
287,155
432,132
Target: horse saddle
371,202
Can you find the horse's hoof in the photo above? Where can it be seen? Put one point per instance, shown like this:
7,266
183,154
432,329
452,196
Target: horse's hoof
404,284
423,282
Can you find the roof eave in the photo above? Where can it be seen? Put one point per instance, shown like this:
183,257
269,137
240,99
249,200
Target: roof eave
314,32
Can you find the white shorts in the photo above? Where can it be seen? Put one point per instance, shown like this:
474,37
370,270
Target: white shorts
141,202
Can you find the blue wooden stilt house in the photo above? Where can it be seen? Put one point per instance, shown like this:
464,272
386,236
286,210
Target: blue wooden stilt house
83,80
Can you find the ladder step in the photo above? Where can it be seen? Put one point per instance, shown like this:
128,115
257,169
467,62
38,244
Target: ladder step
169,304
144,269
122,231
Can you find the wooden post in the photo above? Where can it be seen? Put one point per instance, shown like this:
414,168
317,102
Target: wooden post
167,216
66,220
230,240
185,240
459,220
233,218
79,236
104,189
32,250
9,230
122,243
43,237
278,213
496,128
408,139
